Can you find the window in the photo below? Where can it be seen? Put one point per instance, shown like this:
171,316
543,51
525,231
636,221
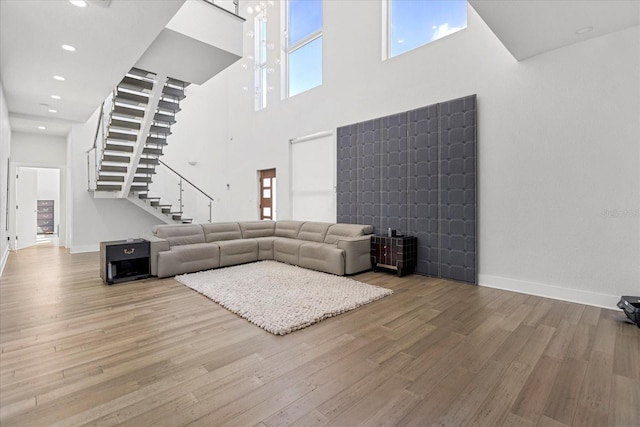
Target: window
413,23
304,45
261,60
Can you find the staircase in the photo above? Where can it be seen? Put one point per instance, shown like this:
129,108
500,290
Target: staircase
143,109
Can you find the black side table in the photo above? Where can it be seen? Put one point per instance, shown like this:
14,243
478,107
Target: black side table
124,260
396,253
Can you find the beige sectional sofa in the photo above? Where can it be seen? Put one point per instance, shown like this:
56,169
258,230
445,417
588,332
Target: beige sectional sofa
333,248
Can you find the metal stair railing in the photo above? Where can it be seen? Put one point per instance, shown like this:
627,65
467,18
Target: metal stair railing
198,203
94,162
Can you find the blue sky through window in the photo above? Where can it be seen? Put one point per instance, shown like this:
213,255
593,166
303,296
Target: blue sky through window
418,22
305,18
305,67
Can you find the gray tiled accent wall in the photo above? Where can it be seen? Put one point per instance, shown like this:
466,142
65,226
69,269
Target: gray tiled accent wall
416,172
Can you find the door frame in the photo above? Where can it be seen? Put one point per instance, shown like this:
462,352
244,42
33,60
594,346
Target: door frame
64,214
260,191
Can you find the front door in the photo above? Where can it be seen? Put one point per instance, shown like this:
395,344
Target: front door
268,194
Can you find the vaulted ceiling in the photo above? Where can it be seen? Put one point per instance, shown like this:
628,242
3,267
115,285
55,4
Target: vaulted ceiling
111,35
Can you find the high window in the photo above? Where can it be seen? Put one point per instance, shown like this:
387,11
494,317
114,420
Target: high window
261,60
413,23
303,45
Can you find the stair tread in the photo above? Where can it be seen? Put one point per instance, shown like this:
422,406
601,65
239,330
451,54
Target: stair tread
164,118
124,124
129,81
176,82
117,159
140,72
107,168
120,148
128,97
157,141
120,136
169,106
126,111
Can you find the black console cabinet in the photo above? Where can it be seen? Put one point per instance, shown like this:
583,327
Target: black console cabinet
396,253
124,260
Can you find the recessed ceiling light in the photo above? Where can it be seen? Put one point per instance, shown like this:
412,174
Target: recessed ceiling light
584,30
42,128
79,3
55,97
59,78
51,110
68,47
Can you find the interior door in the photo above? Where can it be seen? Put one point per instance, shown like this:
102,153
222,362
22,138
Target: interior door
26,209
268,194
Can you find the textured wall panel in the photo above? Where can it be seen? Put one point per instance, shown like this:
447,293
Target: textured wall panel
457,204
416,172
393,173
423,187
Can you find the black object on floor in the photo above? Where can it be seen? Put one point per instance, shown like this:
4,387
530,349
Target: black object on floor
631,307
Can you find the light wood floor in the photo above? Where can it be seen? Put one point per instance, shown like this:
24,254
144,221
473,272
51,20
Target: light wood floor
435,353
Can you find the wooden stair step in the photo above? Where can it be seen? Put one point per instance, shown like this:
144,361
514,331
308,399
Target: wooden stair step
164,118
142,179
154,151
118,147
137,188
130,82
121,110
111,178
140,72
108,168
163,130
115,159
131,98
174,92
156,140
173,107
146,171
121,136
176,82
149,161
124,124
102,187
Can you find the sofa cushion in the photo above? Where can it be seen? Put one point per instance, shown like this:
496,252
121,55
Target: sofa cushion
180,234
233,252
253,229
322,257
288,228
346,230
286,250
219,231
314,231
188,258
265,247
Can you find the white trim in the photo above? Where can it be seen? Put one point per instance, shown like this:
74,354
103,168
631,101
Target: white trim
3,261
312,136
579,296
84,248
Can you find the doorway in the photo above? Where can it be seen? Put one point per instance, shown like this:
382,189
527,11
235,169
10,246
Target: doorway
37,206
267,194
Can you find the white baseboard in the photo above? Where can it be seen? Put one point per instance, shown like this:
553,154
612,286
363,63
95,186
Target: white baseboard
549,291
84,248
3,260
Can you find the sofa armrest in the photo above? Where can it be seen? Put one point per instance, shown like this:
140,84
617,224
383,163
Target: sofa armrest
357,253
156,244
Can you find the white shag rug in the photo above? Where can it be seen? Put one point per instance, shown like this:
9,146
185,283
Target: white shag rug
281,298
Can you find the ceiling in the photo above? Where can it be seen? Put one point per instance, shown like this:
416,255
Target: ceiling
111,36
531,27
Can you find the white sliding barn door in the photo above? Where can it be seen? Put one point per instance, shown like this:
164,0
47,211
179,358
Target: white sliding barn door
313,178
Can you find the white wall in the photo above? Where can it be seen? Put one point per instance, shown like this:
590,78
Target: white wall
559,187
95,220
45,152
5,149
